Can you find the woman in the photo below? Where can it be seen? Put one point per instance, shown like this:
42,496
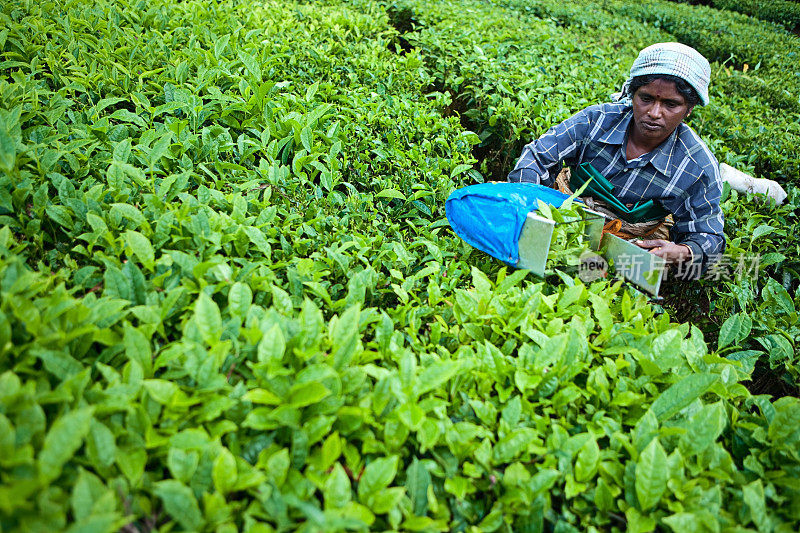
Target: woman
640,144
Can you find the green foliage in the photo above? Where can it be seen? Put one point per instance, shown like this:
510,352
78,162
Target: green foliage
363,419
569,240
781,12
229,299
757,312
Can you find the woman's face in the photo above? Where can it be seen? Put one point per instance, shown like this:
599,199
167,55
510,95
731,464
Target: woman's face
658,108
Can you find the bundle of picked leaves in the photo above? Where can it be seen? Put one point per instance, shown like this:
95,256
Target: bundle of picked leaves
569,239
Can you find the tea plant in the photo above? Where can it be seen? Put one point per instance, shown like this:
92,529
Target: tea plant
229,298
569,239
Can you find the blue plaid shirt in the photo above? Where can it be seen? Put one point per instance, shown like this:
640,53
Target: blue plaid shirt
681,174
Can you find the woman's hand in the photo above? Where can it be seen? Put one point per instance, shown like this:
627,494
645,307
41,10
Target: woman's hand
669,251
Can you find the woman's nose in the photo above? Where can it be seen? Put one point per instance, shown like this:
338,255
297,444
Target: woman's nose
655,110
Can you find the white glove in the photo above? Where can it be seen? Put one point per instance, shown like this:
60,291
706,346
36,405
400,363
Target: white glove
746,183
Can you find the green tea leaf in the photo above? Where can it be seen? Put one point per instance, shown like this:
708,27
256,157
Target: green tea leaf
418,479
159,149
345,337
681,394
637,522
131,462
209,320
377,475
63,440
7,437
391,193
257,238
277,466
697,521
735,329
272,345
61,215
220,45
262,396
784,428
651,475
494,520
137,347
513,444
161,390
753,495
704,428
336,491
543,481
307,138
459,169
240,297
435,375
224,471
760,231
602,312
180,503
87,491
182,463
126,211
100,445
588,460
386,500
331,450
777,297
307,394
250,64
8,151
603,498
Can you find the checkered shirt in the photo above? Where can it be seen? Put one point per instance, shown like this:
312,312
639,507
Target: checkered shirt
681,174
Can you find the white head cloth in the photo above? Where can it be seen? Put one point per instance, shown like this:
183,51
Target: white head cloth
675,59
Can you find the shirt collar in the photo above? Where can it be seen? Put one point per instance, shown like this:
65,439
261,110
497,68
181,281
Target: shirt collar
616,134
660,157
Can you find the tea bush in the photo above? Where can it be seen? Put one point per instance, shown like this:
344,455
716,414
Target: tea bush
783,12
229,298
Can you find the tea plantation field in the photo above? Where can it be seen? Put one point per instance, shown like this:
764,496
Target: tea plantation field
230,299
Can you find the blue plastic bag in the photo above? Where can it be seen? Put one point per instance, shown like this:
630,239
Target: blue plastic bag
489,216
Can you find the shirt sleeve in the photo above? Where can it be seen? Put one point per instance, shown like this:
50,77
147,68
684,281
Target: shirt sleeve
541,160
699,223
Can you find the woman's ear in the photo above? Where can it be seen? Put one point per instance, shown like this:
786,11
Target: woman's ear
689,112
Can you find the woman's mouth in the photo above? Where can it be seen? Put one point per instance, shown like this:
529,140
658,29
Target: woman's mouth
651,126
